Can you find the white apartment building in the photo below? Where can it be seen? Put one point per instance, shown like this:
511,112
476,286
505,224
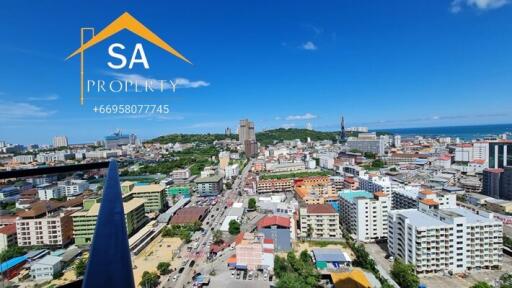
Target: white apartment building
321,220
46,268
181,174
24,159
48,191
365,214
72,187
445,240
44,226
376,183
231,171
60,141
409,197
472,151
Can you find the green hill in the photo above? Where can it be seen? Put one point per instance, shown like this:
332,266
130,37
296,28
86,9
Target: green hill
264,138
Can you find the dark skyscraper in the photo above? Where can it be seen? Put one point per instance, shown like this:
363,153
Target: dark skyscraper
343,134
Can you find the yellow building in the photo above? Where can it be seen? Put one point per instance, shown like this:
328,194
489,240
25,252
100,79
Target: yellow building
154,194
84,221
353,279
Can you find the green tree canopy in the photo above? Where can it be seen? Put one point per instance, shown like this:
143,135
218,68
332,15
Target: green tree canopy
80,267
404,274
252,204
11,252
481,284
234,227
149,280
163,268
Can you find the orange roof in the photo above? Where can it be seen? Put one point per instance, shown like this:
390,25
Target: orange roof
239,238
427,192
274,220
380,194
232,259
478,161
429,202
8,229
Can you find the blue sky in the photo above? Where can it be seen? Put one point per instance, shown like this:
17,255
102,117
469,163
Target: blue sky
382,64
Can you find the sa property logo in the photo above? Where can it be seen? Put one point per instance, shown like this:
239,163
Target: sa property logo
115,50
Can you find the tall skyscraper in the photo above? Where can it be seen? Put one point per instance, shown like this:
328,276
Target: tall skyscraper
343,134
500,154
60,141
246,131
228,131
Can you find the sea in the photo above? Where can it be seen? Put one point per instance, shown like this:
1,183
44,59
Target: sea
462,132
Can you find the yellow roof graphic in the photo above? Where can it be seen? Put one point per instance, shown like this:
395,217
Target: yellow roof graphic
126,21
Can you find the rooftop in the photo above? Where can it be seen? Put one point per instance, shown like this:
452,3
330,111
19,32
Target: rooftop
49,260
214,178
127,207
320,209
188,215
330,255
274,220
350,195
8,229
147,188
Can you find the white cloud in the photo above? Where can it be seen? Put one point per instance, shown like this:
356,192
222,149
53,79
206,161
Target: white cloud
288,125
457,5
185,83
307,116
309,46
20,111
51,97
156,83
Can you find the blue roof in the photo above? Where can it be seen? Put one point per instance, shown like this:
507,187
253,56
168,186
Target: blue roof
329,255
11,263
281,238
350,195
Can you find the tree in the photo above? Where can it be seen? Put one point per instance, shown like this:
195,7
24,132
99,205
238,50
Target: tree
217,237
163,268
11,252
481,284
80,267
229,185
252,204
404,274
377,163
305,257
506,280
234,227
149,280
309,232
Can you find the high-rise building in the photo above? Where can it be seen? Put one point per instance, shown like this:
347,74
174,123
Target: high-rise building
246,131
497,182
60,141
118,139
491,182
319,221
251,148
228,131
397,141
500,154
506,183
343,134
365,214
452,240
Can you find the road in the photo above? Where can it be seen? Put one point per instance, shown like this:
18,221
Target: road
214,220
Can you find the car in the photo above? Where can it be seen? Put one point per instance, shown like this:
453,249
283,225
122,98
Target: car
233,273
249,277
174,278
391,259
192,262
237,274
181,270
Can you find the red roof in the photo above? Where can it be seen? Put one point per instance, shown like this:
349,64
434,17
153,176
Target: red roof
268,241
8,230
189,215
239,238
268,250
320,209
268,221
